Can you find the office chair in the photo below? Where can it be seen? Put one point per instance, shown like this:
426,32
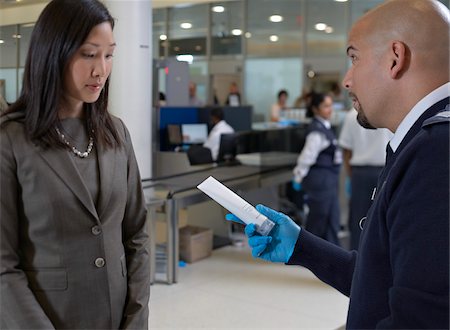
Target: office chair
198,155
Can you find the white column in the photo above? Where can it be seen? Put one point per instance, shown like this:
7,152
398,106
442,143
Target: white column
130,93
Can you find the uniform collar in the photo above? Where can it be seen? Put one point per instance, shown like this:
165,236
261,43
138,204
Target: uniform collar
422,106
325,122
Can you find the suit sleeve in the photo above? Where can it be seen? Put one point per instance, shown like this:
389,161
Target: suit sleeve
418,225
136,243
330,263
19,308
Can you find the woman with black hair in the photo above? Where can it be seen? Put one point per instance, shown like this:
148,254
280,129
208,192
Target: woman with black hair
317,170
74,244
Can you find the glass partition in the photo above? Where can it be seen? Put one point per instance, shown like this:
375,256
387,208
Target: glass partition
159,33
326,27
227,28
274,28
188,28
265,77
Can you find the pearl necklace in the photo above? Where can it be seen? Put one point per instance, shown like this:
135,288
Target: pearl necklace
74,149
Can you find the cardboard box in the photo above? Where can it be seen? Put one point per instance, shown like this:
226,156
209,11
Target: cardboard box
160,225
195,243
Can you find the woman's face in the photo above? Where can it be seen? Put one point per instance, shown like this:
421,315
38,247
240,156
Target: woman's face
325,109
89,68
283,98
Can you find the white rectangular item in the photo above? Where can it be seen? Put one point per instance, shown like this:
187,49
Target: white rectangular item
236,205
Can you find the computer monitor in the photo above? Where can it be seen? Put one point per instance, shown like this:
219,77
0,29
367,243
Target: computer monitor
174,134
194,133
228,147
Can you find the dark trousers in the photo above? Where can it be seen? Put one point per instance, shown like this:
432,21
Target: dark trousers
321,189
363,181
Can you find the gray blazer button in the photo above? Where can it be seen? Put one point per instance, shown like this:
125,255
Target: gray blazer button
96,230
99,262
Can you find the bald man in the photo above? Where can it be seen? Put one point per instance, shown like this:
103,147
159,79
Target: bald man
399,79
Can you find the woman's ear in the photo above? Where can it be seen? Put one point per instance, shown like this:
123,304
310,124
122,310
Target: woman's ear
398,54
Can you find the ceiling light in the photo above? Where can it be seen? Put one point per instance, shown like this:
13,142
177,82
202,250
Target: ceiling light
329,29
340,0
248,35
2,41
185,58
311,74
276,18
320,26
274,38
186,25
218,9
162,37
236,32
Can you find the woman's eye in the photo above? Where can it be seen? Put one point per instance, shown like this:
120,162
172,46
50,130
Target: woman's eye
88,55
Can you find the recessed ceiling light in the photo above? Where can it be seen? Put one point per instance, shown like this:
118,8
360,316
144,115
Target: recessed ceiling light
2,41
248,35
340,0
185,58
236,32
320,26
329,29
218,9
276,18
186,25
274,38
162,37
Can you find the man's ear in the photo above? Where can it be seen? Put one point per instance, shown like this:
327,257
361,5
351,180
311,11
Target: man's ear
398,54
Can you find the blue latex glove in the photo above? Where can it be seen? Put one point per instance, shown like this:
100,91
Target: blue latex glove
348,187
297,186
279,245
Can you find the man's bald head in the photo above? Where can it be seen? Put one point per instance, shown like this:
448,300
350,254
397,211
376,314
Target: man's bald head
422,25
400,54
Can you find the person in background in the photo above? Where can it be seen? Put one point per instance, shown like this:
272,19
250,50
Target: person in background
193,100
219,127
74,242
364,152
234,97
280,106
3,104
317,170
399,80
162,99
302,101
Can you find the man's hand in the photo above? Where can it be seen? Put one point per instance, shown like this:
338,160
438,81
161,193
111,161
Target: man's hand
279,245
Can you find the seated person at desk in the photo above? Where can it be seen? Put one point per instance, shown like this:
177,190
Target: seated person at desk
220,127
280,106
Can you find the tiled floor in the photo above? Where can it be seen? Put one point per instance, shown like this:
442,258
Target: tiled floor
231,290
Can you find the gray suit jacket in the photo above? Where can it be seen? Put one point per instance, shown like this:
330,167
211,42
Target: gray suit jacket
66,264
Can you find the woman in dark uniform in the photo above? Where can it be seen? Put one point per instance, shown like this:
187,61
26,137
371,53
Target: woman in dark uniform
317,170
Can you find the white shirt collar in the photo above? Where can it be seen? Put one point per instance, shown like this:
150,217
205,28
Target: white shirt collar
323,121
422,106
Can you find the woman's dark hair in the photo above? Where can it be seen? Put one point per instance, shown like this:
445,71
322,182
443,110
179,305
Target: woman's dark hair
60,30
315,99
282,92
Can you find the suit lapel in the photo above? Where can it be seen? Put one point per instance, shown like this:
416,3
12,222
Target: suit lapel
64,166
107,166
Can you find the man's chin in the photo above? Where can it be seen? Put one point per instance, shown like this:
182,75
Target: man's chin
362,120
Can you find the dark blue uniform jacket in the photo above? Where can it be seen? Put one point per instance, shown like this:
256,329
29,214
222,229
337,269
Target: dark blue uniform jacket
400,276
